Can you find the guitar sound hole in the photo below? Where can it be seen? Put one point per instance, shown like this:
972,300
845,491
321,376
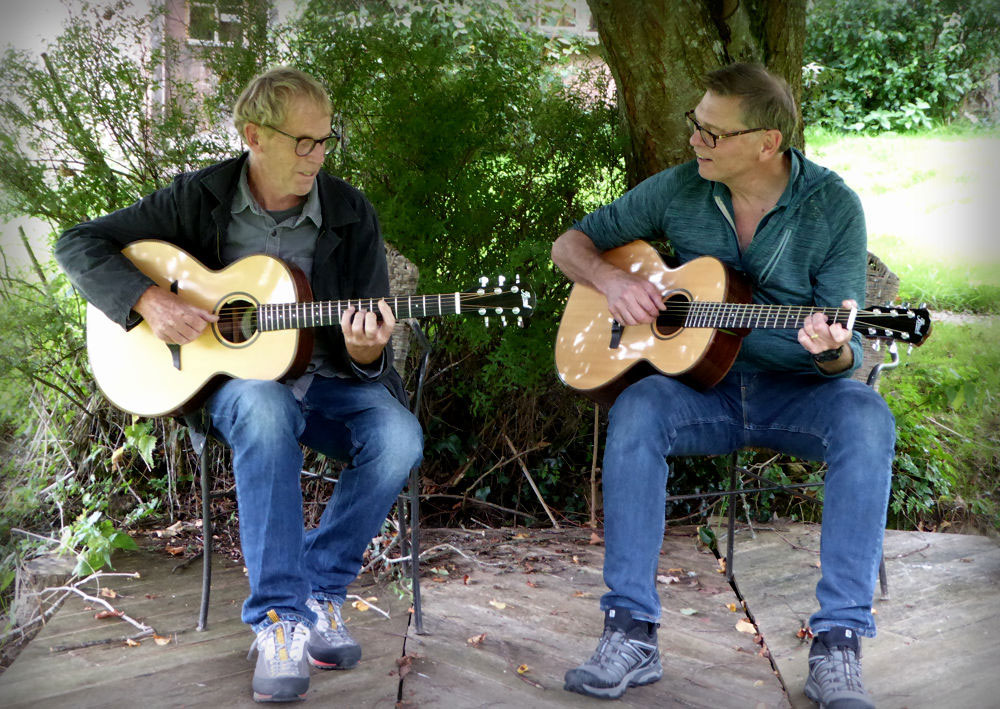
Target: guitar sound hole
670,320
237,321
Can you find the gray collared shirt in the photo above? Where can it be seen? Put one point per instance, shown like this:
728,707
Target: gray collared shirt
254,230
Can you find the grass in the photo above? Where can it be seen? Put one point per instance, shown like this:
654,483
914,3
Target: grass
928,201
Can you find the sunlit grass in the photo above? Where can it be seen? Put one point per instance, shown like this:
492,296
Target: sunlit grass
929,200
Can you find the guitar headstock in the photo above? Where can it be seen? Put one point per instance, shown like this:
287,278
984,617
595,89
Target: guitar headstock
894,322
501,297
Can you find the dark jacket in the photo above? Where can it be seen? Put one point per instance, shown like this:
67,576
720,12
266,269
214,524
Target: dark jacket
193,213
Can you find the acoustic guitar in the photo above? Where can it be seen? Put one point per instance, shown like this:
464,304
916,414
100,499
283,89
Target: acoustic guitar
707,313
266,313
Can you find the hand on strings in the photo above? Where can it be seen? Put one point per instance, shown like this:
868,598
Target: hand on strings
364,335
818,336
173,320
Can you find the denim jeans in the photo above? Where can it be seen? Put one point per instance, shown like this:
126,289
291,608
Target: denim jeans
346,419
840,421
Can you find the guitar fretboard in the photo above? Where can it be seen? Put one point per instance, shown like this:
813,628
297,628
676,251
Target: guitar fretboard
285,316
747,315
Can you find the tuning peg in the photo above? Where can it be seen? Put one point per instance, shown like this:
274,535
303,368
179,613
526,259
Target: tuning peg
482,311
503,320
909,350
501,280
483,282
515,310
877,345
520,321
486,320
923,306
905,335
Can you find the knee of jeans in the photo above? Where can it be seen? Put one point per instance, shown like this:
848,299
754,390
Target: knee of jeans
269,407
864,419
399,436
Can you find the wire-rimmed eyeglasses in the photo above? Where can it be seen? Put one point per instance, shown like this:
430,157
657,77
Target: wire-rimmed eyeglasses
708,137
305,145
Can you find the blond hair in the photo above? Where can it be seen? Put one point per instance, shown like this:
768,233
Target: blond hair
266,98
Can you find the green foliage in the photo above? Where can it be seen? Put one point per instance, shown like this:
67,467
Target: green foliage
948,428
874,65
94,539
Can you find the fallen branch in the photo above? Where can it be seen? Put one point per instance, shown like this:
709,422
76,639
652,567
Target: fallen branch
531,481
94,599
434,549
484,503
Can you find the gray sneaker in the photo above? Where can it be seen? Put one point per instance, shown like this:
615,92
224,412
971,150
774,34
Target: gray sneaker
835,671
331,647
627,655
282,672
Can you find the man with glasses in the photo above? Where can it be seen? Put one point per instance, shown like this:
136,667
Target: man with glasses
275,199
798,233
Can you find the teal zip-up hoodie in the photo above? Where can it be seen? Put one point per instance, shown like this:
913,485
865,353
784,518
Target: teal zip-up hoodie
810,249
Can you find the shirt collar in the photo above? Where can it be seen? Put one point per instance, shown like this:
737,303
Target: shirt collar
244,199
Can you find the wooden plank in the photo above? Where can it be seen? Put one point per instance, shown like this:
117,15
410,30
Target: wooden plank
938,632
553,625
195,668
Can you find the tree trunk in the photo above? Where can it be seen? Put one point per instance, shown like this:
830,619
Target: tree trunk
659,50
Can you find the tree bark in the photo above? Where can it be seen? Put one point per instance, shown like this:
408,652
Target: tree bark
659,50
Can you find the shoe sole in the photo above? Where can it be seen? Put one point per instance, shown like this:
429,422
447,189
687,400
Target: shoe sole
332,665
645,677
264,698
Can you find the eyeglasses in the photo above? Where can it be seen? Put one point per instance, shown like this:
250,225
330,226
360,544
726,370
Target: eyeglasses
305,145
711,139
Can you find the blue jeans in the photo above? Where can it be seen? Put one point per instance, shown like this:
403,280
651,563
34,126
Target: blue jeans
840,421
346,419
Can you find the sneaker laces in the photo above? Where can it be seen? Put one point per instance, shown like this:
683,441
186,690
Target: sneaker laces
616,652
282,644
330,624
838,670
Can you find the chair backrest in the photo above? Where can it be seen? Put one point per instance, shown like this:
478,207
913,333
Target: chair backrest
881,289
403,276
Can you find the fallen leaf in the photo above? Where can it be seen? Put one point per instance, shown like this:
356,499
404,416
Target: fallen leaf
581,594
476,640
731,607
132,643
576,559
531,583
108,593
745,626
722,566
101,615
116,458
404,664
465,579
675,571
151,596
499,605
360,606
688,611
595,539
521,669
161,639
371,599
174,551
668,579
520,535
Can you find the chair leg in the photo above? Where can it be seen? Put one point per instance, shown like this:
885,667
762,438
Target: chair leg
206,534
418,614
883,580
731,532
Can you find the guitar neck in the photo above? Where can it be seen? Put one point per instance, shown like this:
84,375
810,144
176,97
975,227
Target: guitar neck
290,316
881,322
749,315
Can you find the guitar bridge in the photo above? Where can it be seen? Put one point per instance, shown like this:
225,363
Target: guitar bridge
616,334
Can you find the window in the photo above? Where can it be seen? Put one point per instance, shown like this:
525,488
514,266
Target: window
214,22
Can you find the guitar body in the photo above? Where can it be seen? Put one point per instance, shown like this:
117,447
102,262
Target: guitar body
141,374
591,358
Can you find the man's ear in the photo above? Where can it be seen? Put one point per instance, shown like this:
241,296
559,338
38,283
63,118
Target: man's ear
251,136
771,144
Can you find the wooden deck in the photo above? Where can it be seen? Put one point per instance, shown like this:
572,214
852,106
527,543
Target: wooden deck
509,614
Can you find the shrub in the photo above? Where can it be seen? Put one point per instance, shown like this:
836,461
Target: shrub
890,65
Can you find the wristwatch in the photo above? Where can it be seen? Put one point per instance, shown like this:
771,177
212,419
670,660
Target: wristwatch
828,355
